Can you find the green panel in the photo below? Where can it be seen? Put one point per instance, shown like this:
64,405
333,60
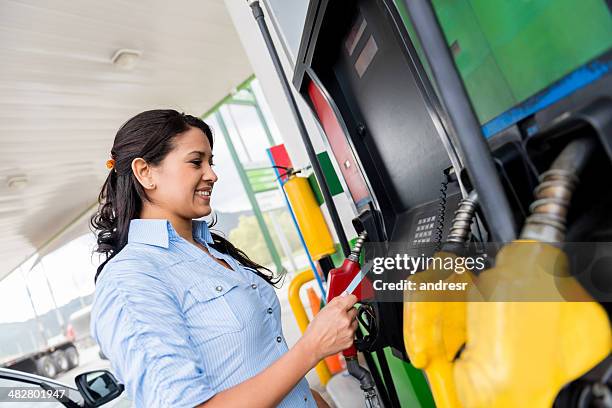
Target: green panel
506,51
331,178
410,383
262,179
483,79
312,180
401,8
538,42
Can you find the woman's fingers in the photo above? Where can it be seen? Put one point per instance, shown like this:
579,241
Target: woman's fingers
344,301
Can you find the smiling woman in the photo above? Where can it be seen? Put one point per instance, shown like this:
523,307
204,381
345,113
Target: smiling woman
144,184
185,317
187,179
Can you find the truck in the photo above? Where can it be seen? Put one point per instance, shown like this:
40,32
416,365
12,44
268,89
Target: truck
58,355
51,355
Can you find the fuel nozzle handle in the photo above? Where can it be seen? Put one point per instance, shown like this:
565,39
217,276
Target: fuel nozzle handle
356,251
352,260
340,278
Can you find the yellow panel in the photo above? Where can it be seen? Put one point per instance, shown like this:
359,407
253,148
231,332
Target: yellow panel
309,217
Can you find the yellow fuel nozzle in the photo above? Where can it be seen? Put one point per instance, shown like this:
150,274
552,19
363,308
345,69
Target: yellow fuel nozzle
435,331
521,353
537,328
435,328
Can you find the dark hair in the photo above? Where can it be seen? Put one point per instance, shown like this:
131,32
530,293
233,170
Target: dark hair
148,135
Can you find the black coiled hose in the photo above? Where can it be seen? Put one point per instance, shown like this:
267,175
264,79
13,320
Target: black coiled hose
441,213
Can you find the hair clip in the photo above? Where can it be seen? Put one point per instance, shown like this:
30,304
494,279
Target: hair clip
110,164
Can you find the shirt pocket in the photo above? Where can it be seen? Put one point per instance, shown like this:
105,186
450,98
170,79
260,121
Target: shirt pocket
208,311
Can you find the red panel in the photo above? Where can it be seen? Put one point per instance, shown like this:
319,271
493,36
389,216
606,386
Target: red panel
281,158
339,146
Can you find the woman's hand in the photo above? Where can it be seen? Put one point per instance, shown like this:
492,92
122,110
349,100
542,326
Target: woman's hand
333,328
330,331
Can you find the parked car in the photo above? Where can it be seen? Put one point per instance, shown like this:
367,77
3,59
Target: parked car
94,389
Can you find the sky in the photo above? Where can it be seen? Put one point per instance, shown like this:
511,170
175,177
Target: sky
68,280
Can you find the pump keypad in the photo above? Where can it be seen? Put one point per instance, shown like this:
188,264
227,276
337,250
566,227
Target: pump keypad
424,231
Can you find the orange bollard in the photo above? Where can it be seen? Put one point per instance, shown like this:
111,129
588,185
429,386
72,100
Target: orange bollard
314,300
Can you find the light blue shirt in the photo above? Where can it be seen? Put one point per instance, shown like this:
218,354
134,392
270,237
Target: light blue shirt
178,327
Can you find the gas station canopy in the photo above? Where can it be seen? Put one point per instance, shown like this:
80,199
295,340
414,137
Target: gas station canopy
71,74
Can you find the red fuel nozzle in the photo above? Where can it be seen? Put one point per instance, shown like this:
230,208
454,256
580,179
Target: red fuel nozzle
339,280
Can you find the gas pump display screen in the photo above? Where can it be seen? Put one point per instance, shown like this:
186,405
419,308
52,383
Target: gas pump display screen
509,51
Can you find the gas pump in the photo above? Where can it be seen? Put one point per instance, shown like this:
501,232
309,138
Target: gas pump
396,87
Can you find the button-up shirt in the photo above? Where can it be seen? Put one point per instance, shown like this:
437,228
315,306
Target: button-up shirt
178,327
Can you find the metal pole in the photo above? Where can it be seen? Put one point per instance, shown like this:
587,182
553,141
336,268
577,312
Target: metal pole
58,313
39,325
312,156
261,116
238,133
249,192
476,154
266,128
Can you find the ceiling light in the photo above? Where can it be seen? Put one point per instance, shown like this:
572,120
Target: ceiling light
17,182
125,58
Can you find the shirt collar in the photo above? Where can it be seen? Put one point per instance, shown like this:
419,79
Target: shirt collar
161,232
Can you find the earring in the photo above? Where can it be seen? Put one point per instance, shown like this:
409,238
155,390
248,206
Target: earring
151,185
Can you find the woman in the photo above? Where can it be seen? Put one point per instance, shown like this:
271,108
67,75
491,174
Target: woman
186,318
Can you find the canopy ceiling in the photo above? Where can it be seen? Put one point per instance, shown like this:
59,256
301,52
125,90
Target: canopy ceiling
62,100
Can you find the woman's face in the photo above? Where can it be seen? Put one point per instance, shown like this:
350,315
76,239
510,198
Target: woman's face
184,179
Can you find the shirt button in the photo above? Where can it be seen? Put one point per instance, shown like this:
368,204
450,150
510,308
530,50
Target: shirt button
269,310
279,339
254,285
219,288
